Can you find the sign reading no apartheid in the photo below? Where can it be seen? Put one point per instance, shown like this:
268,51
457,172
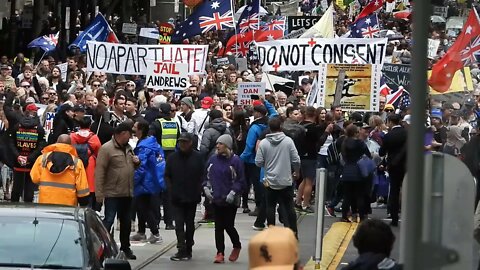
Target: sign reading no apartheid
167,75
308,54
132,59
249,91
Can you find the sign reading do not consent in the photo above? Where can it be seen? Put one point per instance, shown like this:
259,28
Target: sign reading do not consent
133,59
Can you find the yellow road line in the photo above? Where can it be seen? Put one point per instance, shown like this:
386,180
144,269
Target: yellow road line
335,243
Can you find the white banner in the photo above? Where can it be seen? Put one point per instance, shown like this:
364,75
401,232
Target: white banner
308,54
149,33
129,59
248,89
63,70
167,75
433,45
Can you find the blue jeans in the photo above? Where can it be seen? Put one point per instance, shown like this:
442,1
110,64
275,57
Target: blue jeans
120,206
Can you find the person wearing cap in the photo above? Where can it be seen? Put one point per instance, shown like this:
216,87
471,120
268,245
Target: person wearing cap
114,172
184,172
24,144
261,109
278,176
187,107
62,123
6,78
200,119
274,248
224,184
439,130
394,147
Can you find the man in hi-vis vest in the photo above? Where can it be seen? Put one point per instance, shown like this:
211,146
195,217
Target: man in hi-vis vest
166,130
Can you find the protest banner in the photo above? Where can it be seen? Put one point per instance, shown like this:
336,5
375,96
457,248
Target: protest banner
166,75
433,48
241,64
129,59
462,81
129,28
295,34
149,32
299,22
308,54
48,122
63,70
440,11
248,90
361,86
396,75
166,31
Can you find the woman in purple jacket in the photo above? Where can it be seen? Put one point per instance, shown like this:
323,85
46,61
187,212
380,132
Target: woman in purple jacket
223,186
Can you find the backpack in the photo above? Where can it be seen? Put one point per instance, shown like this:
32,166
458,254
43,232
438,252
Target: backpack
297,133
83,151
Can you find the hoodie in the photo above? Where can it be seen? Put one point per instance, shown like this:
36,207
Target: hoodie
146,180
373,261
27,140
277,155
215,129
86,136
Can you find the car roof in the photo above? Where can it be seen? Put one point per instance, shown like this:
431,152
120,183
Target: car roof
41,211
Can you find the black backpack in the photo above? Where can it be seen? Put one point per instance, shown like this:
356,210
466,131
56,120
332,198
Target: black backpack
84,151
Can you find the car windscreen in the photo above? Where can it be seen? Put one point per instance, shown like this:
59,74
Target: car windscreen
40,241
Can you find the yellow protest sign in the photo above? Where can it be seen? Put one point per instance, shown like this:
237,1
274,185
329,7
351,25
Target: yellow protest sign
462,81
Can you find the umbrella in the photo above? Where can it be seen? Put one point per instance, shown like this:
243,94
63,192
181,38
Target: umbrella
437,19
404,15
237,15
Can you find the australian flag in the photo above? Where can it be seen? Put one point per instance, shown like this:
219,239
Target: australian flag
47,43
98,30
208,16
249,19
366,27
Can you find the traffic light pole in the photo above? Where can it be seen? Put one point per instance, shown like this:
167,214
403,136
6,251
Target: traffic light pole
412,253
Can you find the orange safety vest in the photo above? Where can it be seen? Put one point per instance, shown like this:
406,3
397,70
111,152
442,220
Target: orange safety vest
60,188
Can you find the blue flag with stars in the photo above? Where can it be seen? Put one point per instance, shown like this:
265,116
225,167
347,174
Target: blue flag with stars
208,16
366,27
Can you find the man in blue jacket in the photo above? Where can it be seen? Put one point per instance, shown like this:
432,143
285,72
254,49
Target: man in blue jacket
252,172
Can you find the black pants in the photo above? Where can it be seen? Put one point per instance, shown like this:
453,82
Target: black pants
121,207
396,180
164,200
252,174
354,198
22,187
146,213
284,197
262,206
225,222
185,225
247,191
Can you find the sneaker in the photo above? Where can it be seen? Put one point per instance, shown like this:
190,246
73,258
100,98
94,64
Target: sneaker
330,211
308,210
206,220
155,239
246,210
344,219
220,258
234,255
129,254
258,228
254,213
169,227
138,237
338,209
181,256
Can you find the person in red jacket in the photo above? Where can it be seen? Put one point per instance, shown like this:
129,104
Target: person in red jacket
87,145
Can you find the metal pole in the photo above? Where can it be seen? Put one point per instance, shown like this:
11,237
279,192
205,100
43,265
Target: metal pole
13,28
411,228
319,214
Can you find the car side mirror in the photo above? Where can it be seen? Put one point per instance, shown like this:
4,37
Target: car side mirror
116,264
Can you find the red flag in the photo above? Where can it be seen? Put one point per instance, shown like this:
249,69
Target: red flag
373,6
268,35
464,51
240,43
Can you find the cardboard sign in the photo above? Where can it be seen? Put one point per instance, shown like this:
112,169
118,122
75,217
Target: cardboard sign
309,53
149,33
440,11
295,34
360,90
241,64
48,122
166,31
63,70
396,76
129,59
299,22
248,89
433,47
129,28
167,75
223,61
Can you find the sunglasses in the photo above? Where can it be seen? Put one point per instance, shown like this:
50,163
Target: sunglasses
52,94
130,85
389,110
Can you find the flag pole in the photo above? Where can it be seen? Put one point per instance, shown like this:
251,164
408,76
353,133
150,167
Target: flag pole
232,3
39,61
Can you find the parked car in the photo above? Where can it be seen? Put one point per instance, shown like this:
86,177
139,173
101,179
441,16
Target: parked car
35,236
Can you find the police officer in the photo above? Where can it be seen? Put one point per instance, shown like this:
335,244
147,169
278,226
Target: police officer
166,130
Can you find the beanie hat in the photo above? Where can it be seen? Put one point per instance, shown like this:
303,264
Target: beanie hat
188,101
436,113
226,140
165,108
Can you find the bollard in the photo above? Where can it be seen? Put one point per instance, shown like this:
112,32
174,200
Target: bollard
319,215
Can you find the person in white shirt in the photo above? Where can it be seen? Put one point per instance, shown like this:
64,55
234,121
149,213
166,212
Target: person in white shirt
200,119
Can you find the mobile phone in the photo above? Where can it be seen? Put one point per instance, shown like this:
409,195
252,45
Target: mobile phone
255,97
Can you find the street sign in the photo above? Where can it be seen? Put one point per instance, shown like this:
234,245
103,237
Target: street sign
129,28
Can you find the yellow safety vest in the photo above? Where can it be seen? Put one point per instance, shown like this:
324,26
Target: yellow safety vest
169,134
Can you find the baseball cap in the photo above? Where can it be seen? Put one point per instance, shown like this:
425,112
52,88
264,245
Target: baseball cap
185,136
407,119
4,66
389,107
447,106
31,107
257,103
261,109
207,102
273,248
436,113
79,108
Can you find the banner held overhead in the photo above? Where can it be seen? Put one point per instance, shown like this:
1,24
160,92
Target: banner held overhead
132,59
167,75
